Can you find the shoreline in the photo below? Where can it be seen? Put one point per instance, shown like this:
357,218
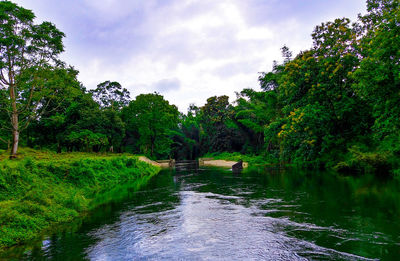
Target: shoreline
38,193
210,162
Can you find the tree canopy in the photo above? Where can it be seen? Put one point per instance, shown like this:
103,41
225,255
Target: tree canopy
333,105
28,57
149,120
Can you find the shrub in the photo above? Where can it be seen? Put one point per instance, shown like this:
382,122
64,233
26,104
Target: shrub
358,161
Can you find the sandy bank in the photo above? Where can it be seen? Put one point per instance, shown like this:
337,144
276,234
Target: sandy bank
219,163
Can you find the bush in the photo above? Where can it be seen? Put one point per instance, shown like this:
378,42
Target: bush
362,162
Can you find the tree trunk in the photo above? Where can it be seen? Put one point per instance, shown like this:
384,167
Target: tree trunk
152,146
14,123
14,149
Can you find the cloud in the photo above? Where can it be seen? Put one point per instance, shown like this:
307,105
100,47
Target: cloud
166,85
188,50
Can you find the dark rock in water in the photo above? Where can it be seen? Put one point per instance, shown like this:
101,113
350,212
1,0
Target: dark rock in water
238,165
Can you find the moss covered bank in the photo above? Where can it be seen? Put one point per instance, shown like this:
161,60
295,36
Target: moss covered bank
42,189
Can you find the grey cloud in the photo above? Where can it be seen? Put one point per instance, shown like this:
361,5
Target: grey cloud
167,85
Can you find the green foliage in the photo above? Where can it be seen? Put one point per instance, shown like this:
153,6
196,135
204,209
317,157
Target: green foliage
254,111
28,58
111,95
396,173
379,72
44,189
306,134
359,161
313,109
73,121
342,92
316,108
87,138
219,130
186,140
149,120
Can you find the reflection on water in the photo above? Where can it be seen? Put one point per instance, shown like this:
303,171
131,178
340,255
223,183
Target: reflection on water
211,214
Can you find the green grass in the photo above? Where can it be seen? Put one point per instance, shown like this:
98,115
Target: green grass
40,189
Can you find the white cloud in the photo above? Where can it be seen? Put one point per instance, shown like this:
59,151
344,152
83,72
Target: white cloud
188,50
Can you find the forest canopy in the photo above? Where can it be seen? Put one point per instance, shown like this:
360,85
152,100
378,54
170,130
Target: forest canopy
335,105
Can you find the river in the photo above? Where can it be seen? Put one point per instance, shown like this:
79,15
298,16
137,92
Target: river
214,214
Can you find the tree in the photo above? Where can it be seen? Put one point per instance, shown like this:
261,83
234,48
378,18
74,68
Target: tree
28,53
379,73
286,54
81,116
111,95
109,123
255,110
218,129
112,98
63,90
87,138
149,121
187,137
73,119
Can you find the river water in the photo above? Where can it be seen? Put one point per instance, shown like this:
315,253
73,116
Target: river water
214,214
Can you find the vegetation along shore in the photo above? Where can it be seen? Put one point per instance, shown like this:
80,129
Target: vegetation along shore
43,189
334,105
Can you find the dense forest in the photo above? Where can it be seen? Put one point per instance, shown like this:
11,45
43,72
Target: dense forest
335,105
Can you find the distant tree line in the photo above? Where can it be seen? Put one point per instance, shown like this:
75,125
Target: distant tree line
334,105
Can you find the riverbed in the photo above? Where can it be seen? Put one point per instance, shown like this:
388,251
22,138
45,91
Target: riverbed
214,214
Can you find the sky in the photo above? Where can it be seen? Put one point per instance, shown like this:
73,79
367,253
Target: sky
186,50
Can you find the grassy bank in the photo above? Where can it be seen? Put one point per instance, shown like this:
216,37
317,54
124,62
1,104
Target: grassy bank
41,189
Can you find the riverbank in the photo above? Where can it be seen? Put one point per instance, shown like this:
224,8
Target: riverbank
211,162
378,164
41,189
236,156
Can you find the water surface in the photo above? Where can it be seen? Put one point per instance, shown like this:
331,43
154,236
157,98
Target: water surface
213,214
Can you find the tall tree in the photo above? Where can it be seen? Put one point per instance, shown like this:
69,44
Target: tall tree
187,137
149,120
379,73
27,53
255,110
219,131
111,95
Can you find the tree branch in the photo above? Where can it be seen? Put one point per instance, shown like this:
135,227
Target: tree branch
3,140
5,128
30,96
34,117
2,78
